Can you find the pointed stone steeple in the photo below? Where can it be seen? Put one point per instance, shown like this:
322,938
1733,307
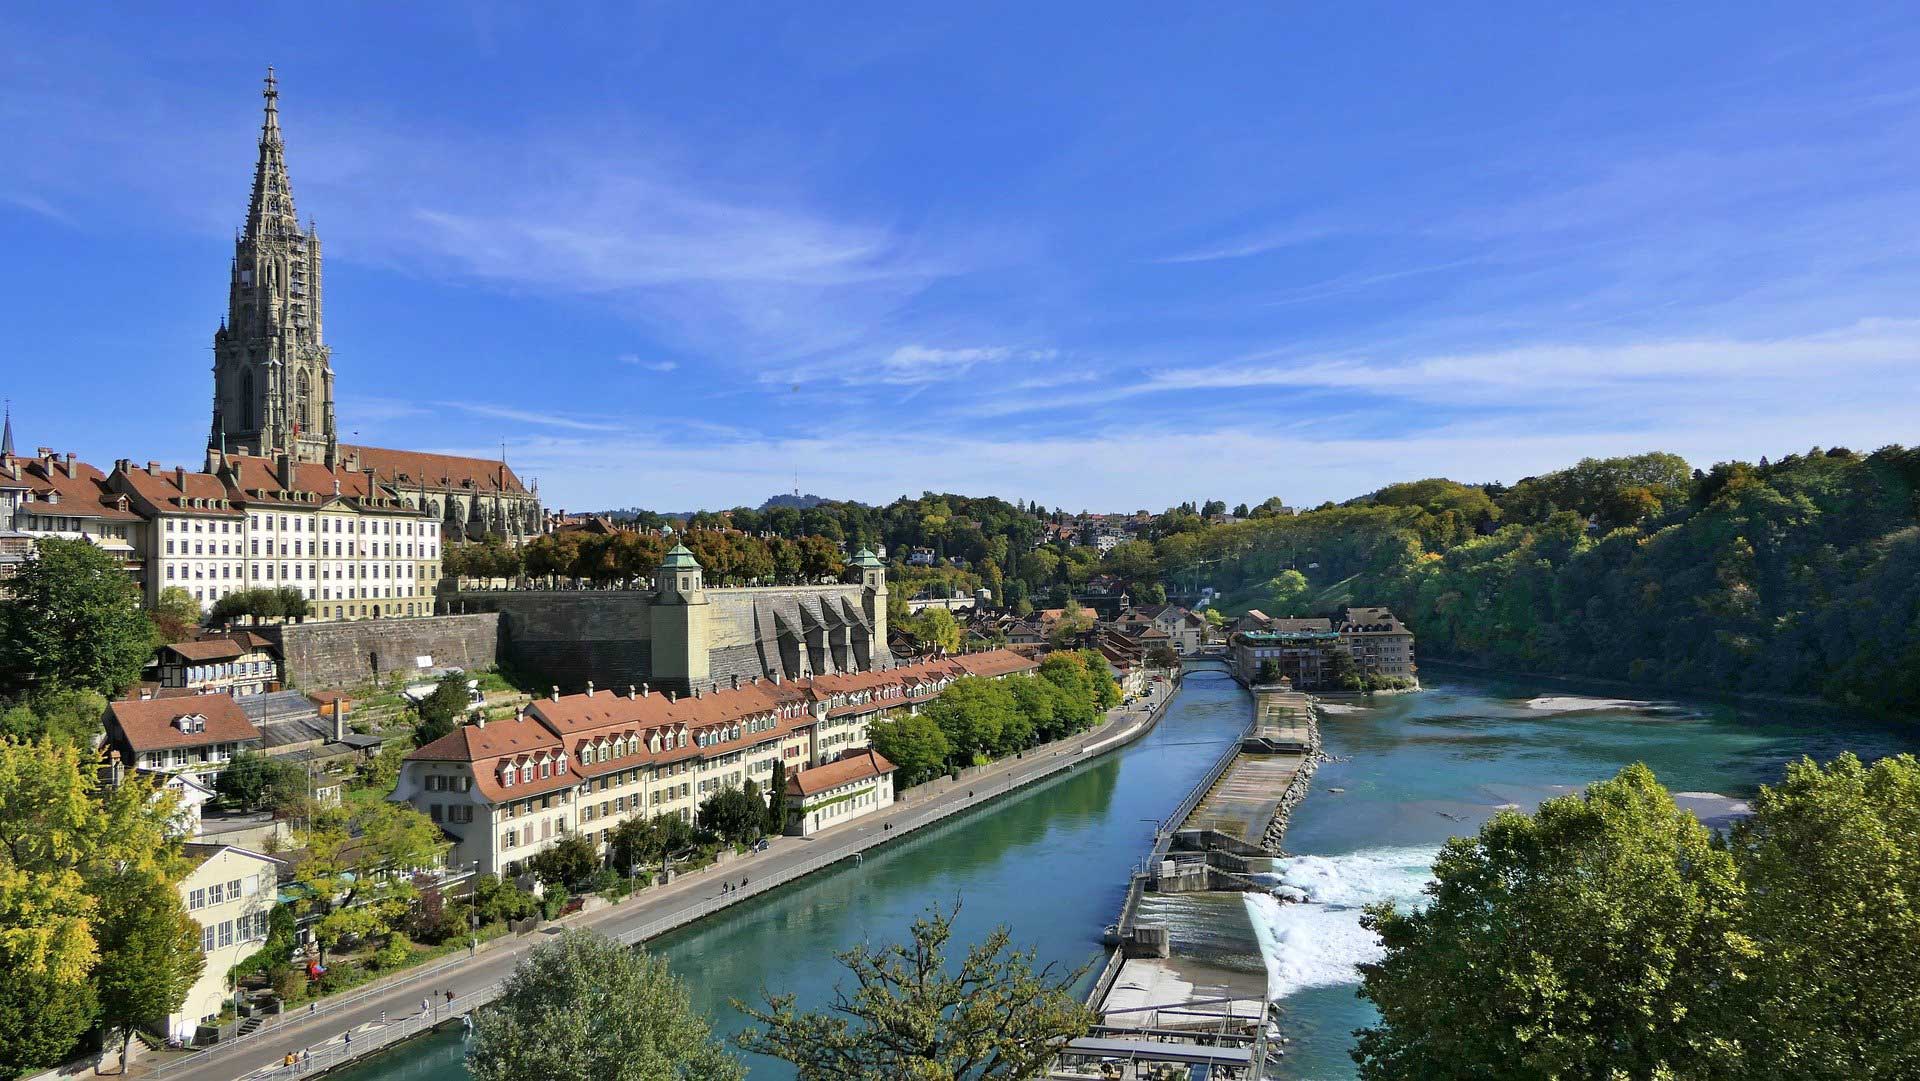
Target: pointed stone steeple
271,211
272,371
6,437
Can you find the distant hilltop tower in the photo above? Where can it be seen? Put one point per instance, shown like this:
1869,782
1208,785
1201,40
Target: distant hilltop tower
272,379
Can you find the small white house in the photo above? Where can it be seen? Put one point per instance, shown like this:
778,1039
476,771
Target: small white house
837,792
229,893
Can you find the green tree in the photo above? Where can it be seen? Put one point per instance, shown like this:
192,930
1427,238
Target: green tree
914,744
777,798
585,1008
253,780
1590,939
357,879
73,620
441,711
567,862
149,953
175,614
1829,858
972,712
1287,594
60,714
733,813
998,1018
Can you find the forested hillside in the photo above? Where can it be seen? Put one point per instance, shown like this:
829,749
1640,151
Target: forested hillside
1796,576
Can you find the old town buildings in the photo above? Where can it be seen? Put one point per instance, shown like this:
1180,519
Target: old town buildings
279,501
1303,650
583,763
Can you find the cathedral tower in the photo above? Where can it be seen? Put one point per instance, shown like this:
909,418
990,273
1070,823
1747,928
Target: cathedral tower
272,383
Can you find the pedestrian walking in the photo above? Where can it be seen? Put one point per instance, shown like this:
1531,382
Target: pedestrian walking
449,999
426,1005
346,1038
306,1057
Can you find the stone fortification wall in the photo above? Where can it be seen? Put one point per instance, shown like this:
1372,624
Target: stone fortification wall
572,636
608,636
316,655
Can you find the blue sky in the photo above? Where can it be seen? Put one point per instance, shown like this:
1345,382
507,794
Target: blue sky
1106,256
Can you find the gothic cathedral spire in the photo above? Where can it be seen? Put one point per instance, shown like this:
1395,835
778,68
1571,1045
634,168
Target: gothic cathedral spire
272,375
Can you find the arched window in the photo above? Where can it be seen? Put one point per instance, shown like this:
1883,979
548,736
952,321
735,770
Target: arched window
302,404
246,401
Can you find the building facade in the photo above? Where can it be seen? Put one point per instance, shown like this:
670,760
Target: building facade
584,763
241,663
838,792
230,893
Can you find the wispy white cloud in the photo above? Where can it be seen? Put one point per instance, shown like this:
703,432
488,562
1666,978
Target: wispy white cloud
1258,242
529,416
638,361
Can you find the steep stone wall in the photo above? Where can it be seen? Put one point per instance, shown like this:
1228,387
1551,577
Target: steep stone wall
354,654
608,636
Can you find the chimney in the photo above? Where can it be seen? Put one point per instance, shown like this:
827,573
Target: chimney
71,472
153,467
673,696
339,720
645,691
555,692
632,691
736,681
180,477
480,721
589,688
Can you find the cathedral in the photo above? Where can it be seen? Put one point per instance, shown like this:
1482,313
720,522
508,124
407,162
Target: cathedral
273,389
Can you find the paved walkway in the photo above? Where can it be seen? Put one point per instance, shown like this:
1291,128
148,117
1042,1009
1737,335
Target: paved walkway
391,1010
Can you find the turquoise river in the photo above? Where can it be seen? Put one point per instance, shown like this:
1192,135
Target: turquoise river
1053,861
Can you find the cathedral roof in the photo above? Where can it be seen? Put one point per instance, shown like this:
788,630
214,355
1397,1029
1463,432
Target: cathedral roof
419,469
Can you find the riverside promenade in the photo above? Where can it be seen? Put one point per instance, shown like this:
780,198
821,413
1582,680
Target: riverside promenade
389,1011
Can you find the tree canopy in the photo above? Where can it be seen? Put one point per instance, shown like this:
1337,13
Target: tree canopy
72,620
583,1007
998,1017
1611,935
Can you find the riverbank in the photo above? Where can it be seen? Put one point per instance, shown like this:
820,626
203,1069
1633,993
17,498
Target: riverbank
384,1014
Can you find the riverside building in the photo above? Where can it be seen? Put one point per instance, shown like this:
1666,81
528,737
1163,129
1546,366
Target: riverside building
584,763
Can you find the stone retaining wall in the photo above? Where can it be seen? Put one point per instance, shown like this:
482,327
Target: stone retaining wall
356,654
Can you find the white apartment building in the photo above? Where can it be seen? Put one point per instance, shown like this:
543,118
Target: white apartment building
230,893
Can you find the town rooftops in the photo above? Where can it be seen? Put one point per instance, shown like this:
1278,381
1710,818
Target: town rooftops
418,469
64,486
194,721
859,766
202,652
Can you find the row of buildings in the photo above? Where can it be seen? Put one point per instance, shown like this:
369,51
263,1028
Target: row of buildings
583,763
1303,650
278,501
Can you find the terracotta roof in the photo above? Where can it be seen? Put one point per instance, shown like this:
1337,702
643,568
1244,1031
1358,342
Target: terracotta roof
436,470
217,649
178,491
317,483
854,767
82,493
149,725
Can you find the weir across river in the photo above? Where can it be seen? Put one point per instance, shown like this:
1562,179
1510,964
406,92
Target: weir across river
1158,1007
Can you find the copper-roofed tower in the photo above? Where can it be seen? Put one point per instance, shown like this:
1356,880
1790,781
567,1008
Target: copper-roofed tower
272,380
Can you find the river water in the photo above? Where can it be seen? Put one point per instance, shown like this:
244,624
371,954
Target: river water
1053,861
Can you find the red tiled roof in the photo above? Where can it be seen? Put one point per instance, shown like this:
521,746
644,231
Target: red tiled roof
436,470
81,494
179,491
854,767
216,649
149,725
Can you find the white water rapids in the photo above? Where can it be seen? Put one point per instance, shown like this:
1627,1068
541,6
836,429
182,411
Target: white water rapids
1320,942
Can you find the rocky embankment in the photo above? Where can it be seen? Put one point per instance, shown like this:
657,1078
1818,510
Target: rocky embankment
1274,839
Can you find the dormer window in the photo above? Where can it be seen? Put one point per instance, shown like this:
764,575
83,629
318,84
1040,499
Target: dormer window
560,764
506,775
526,773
